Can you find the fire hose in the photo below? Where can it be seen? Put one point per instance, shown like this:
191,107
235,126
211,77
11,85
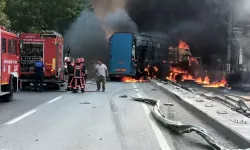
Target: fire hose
177,126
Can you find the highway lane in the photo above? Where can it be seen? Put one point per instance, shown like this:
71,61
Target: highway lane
108,122
24,101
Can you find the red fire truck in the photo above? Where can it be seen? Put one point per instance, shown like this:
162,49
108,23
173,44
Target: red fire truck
47,45
9,72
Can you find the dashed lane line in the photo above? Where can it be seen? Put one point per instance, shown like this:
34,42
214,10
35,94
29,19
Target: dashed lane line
57,98
21,117
34,110
161,139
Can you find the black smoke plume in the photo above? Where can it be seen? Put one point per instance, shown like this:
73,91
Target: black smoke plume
86,38
202,23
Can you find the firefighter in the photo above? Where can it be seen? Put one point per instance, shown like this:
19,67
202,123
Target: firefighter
39,74
70,72
78,81
84,69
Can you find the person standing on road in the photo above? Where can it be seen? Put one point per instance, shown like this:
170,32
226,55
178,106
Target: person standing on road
102,72
39,74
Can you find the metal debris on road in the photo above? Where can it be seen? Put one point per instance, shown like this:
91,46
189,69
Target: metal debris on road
154,88
123,96
85,102
168,104
199,100
178,127
209,105
222,112
239,121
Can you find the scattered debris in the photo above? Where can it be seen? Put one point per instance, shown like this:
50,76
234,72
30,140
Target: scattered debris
222,112
209,105
154,89
123,96
199,100
239,121
178,126
168,104
85,102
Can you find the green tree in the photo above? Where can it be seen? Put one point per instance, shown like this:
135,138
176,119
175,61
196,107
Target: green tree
36,15
4,21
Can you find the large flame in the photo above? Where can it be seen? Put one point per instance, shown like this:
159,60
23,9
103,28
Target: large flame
146,70
174,71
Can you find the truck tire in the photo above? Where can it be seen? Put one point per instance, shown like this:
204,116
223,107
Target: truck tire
111,78
10,88
24,85
57,87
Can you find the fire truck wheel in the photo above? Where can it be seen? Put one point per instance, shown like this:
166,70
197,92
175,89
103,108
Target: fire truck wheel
10,88
57,87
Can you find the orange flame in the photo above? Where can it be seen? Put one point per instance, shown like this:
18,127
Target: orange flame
130,79
183,45
174,71
222,83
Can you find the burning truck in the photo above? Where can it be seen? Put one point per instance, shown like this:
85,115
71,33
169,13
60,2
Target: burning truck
132,54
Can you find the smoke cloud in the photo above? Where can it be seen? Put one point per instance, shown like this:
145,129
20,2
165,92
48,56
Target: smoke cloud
199,22
86,38
119,21
241,11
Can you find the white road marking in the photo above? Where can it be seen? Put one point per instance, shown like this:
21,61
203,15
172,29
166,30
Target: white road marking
34,110
55,99
161,139
21,117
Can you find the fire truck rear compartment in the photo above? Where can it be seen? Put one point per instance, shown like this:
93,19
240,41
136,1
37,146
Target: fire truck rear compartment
30,53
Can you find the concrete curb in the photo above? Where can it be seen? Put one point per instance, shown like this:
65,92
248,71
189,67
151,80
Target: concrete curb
227,131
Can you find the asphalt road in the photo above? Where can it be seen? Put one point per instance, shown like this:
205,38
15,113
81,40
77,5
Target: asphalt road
95,121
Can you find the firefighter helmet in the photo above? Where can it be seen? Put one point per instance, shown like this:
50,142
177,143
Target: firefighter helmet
82,60
67,60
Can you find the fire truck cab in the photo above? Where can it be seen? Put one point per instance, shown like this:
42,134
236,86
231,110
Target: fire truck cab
47,45
9,72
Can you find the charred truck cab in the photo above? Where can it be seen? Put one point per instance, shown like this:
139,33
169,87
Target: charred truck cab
9,72
47,45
